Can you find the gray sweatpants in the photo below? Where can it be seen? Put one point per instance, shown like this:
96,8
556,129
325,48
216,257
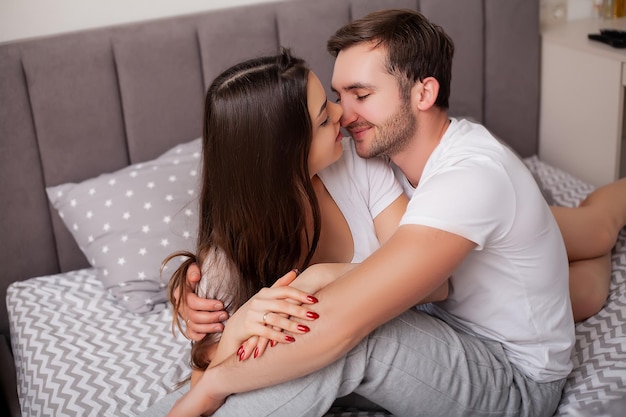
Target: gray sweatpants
415,365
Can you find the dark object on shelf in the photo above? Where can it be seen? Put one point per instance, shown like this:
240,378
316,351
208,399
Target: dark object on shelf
615,38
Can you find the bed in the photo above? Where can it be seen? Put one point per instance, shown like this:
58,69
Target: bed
99,151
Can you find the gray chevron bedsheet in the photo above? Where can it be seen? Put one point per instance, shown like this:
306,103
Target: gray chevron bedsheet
78,354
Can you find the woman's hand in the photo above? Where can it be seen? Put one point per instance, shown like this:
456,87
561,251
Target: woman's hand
265,317
201,315
311,280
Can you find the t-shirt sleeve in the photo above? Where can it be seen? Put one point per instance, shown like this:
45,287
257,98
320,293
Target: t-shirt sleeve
383,185
473,199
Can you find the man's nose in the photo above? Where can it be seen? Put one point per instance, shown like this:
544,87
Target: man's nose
348,116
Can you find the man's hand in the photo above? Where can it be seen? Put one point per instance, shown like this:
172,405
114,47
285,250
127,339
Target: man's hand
201,315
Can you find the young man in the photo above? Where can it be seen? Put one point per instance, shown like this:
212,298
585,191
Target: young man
500,344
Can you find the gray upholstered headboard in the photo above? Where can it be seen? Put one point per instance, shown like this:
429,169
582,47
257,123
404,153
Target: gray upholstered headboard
79,104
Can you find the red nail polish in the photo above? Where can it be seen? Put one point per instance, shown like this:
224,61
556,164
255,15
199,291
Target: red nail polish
243,352
239,350
312,315
290,339
256,352
312,299
273,343
303,328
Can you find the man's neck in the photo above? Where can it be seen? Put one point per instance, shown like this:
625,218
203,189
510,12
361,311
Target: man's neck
412,159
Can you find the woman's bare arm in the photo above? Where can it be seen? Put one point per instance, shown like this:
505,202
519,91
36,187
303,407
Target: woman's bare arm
382,287
278,313
243,325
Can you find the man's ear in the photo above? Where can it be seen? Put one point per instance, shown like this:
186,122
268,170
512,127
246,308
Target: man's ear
424,93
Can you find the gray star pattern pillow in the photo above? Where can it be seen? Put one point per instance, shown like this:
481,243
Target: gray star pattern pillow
128,221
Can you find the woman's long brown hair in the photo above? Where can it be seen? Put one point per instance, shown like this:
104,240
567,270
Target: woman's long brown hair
256,187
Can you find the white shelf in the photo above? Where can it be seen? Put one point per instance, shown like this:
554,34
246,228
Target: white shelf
582,101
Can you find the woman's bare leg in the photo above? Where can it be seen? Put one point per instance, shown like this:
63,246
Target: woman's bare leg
590,232
589,285
587,231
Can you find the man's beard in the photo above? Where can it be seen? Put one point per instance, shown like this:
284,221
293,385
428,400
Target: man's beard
392,135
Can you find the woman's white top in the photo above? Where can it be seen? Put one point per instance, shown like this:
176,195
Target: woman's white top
362,189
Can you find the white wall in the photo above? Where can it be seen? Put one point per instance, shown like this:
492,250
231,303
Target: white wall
580,9
555,12
22,19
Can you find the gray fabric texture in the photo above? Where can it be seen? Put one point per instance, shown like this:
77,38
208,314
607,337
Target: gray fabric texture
25,227
158,68
75,110
465,23
248,35
128,221
306,27
510,28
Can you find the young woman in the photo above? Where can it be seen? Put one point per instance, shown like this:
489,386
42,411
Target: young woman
271,201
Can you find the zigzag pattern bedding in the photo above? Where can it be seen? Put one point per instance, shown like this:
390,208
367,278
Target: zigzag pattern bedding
78,354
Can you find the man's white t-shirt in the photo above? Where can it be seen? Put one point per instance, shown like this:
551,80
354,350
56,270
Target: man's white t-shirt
362,189
514,286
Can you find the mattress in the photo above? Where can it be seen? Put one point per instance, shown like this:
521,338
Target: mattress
78,354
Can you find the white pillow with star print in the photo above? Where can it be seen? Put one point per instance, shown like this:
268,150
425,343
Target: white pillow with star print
128,221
